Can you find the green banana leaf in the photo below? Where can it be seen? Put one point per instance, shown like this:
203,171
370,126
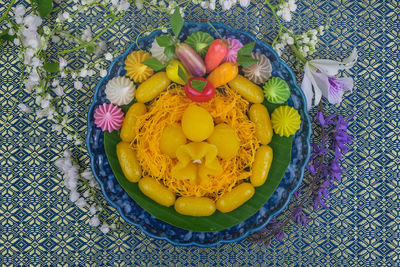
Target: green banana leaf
282,147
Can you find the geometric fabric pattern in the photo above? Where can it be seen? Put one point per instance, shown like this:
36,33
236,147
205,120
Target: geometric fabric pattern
40,226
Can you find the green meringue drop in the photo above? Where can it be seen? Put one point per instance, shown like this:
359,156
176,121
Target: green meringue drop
200,41
276,90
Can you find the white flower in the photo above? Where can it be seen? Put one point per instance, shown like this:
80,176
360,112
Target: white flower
204,4
81,202
34,77
94,221
56,127
287,39
226,4
60,163
139,4
36,62
19,10
67,109
78,85
32,22
105,228
67,154
66,15
319,79
55,83
63,63
87,35
16,42
123,5
244,3
103,73
286,15
285,10
74,196
83,73
92,210
93,183
212,5
108,56
86,194
87,174
55,38
24,108
59,91
78,141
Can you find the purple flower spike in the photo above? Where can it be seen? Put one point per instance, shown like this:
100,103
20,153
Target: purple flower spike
321,119
280,236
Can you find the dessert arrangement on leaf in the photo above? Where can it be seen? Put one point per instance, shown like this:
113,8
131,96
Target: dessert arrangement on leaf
196,135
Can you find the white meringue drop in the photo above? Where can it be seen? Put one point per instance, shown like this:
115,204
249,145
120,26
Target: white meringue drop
120,90
158,52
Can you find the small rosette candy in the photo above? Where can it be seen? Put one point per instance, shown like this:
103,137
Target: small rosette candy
276,90
200,42
120,91
235,45
158,52
285,121
135,70
108,117
260,71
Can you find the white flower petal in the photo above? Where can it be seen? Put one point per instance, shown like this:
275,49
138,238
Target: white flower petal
332,67
306,86
320,81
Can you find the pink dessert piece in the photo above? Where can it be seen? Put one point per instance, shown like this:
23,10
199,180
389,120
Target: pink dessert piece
233,51
108,117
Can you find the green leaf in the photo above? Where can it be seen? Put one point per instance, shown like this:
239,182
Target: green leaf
153,63
169,51
176,22
282,147
198,85
182,74
44,7
245,61
6,37
246,49
51,67
164,40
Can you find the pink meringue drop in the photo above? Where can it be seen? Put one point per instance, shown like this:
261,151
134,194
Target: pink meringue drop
233,51
108,117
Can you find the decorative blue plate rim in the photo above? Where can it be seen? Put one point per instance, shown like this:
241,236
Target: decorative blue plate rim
305,133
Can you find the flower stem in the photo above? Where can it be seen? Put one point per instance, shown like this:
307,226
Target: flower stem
282,28
3,17
95,38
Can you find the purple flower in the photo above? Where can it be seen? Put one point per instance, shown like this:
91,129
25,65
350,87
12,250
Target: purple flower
319,80
299,217
297,193
337,87
280,236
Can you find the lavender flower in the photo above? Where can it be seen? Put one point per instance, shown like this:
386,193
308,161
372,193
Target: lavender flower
324,168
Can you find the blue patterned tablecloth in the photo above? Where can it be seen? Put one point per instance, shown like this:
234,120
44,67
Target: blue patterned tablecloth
40,226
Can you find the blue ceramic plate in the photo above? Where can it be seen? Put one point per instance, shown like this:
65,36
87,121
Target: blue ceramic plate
156,228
